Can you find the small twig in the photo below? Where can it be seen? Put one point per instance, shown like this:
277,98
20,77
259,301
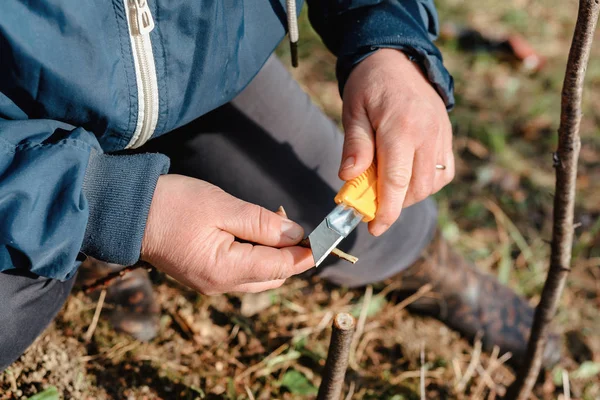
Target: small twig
478,392
337,357
103,283
457,371
184,327
566,385
486,380
514,232
336,252
422,370
423,290
258,365
472,366
362,346
90,331
360,326
306,243
350,391
249,392
494,363
398,379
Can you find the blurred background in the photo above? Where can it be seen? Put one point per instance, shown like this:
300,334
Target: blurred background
508,60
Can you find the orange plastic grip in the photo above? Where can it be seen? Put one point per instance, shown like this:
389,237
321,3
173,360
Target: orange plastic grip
360,193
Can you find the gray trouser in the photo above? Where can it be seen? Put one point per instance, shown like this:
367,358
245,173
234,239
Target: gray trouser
270,146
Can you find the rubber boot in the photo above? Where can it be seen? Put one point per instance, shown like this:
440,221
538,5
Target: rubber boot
135,311
472,302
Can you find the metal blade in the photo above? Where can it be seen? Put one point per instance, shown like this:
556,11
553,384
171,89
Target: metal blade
322,241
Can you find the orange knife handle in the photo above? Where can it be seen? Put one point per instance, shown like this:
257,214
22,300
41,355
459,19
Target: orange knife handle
360,193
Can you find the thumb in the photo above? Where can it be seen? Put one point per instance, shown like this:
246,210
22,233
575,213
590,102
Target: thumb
258,225
359,144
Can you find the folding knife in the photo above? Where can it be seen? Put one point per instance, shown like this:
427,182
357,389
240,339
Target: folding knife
356,202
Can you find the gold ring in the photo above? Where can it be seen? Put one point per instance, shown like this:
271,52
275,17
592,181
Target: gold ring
440,166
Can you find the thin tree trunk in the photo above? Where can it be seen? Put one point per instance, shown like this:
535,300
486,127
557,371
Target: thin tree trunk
564,199
337,357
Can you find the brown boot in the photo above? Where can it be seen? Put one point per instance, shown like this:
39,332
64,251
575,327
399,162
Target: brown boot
472,302
135,311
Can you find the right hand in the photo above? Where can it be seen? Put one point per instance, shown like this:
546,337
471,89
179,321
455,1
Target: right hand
191,235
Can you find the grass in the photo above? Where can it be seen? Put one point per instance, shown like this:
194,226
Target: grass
497,212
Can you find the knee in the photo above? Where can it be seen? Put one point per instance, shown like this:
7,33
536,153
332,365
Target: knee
27,306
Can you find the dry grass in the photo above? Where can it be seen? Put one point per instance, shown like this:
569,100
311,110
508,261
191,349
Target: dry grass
497,213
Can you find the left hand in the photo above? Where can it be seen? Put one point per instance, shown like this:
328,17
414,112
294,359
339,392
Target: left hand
392,111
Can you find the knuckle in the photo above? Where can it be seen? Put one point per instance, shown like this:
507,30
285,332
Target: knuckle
265,222
278,269
353,141
259,221
398,177
420,192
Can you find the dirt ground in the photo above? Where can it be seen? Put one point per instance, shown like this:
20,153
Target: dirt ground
497,213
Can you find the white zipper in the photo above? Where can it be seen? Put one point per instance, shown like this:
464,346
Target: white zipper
140,24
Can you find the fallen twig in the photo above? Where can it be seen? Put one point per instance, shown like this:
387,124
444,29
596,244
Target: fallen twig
475,356
422,370
350,391
104,282
259,365
360,326
90,331
337,357
423,290
566,385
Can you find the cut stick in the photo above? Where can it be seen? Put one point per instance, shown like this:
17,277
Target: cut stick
337,357
336,252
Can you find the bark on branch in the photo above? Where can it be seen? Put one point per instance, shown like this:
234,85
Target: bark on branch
337,357
564,199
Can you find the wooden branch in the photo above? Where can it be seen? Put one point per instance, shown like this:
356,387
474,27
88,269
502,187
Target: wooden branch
104,282
336,252
564,198
337,357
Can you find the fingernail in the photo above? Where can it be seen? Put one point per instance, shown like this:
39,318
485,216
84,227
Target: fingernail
348,163
291,230
380,229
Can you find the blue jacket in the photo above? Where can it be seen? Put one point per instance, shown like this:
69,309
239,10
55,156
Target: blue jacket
82,80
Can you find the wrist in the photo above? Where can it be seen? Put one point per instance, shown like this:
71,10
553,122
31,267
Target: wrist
401,59
152,233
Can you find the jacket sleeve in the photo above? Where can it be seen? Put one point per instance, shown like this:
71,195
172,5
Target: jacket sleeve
61,195
354,29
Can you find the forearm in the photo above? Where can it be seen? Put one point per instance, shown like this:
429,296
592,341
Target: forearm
59,195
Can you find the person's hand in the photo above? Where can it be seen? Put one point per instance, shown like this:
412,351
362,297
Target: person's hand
391,111
191,235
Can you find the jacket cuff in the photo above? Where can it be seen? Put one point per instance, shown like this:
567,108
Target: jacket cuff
119,191
398,27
